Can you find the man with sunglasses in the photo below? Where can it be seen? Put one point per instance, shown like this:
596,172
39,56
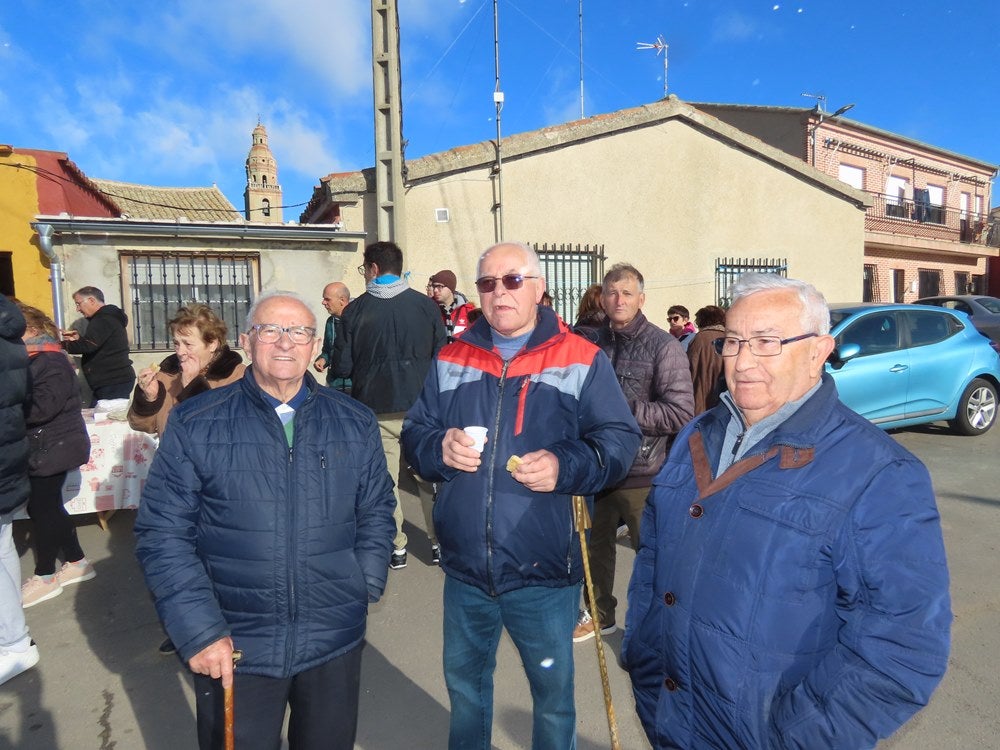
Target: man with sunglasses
265,526
791,588
557,425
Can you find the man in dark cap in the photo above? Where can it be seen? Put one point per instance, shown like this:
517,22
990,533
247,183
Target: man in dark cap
454,306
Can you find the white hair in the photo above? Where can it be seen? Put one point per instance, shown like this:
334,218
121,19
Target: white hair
530,256
815,312
271,294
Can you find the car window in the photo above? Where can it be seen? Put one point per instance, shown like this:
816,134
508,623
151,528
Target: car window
928,327
962,307
990,303
875,333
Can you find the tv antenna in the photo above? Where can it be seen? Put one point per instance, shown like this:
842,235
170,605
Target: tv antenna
660,46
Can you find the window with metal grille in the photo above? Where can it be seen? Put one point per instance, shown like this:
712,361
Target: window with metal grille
871,290
728,270
157,284
929,282
568,270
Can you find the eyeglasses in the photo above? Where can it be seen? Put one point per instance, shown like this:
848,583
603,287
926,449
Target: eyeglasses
674,318
510,281
436,287
269,333
760,346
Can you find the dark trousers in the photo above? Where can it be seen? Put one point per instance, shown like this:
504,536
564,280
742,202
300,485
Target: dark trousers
323,702
54,530
609,507
115,390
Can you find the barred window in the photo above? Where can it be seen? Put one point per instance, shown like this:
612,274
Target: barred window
568,270
157,284
728,270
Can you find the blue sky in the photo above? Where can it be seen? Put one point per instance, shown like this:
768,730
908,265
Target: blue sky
167,93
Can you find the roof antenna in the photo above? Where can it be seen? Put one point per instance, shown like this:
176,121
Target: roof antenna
660,46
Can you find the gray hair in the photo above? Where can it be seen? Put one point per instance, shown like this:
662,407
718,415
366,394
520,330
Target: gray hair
530,257
621,271
815,312
271,294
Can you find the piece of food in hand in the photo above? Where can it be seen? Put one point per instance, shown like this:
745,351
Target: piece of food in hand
513,462
155,368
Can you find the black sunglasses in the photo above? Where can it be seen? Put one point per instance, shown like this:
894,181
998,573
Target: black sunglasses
510,281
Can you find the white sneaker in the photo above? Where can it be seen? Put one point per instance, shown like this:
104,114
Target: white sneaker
37,590
12,663
76,572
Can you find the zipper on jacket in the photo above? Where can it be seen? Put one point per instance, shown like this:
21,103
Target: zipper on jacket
501,382
292,557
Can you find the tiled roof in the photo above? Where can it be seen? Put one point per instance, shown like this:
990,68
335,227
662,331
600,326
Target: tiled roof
351,184
148,202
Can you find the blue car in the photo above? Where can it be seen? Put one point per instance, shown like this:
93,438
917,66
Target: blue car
902,365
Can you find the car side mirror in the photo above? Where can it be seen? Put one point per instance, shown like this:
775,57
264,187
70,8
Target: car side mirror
841,354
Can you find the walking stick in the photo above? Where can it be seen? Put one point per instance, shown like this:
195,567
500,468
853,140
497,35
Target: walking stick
582,524
229,717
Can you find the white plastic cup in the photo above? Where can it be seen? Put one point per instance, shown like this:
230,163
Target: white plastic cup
478,434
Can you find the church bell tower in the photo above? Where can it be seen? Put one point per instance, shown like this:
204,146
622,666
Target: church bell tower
262,197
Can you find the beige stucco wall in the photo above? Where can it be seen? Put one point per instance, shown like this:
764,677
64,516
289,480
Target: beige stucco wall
668,198
305,269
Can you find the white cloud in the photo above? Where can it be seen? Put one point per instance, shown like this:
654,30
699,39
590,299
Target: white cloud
734,27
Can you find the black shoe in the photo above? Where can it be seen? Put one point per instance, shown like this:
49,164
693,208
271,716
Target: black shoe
167,648
435,554
398,559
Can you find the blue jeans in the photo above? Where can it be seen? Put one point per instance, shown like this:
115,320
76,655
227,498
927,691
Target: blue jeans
540,621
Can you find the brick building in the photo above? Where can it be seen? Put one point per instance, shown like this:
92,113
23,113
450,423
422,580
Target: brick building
926,226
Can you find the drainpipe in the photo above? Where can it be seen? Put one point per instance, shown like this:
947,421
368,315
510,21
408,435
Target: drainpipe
45,233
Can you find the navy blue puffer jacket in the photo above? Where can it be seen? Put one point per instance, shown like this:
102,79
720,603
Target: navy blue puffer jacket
559,393
13,392
280,547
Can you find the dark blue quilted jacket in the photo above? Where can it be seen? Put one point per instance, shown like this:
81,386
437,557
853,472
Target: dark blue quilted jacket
281,548
798,600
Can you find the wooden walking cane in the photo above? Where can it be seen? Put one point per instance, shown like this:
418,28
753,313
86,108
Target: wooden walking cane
582,524
229,717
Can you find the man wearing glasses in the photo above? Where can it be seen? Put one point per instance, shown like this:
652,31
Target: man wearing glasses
266,526
455,308
557,425
791,588
391,334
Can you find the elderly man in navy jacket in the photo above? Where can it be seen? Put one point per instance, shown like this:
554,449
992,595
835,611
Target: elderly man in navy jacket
558,425
791,589
266,526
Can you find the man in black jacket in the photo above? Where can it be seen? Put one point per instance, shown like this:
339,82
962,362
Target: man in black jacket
17,651
391,334
653,371
104,346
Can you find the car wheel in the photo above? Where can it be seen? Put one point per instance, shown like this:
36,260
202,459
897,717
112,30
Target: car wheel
977,409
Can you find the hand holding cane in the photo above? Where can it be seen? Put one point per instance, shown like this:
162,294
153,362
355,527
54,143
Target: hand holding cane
227,708
582,518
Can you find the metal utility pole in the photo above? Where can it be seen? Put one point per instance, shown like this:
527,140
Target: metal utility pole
498,102
389,165
581,60
660,46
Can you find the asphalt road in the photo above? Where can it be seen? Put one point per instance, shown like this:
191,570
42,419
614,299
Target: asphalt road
101,683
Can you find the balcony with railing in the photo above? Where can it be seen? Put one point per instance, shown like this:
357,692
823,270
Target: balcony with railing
904,216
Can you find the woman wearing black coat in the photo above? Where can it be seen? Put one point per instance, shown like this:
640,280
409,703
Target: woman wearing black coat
58,442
